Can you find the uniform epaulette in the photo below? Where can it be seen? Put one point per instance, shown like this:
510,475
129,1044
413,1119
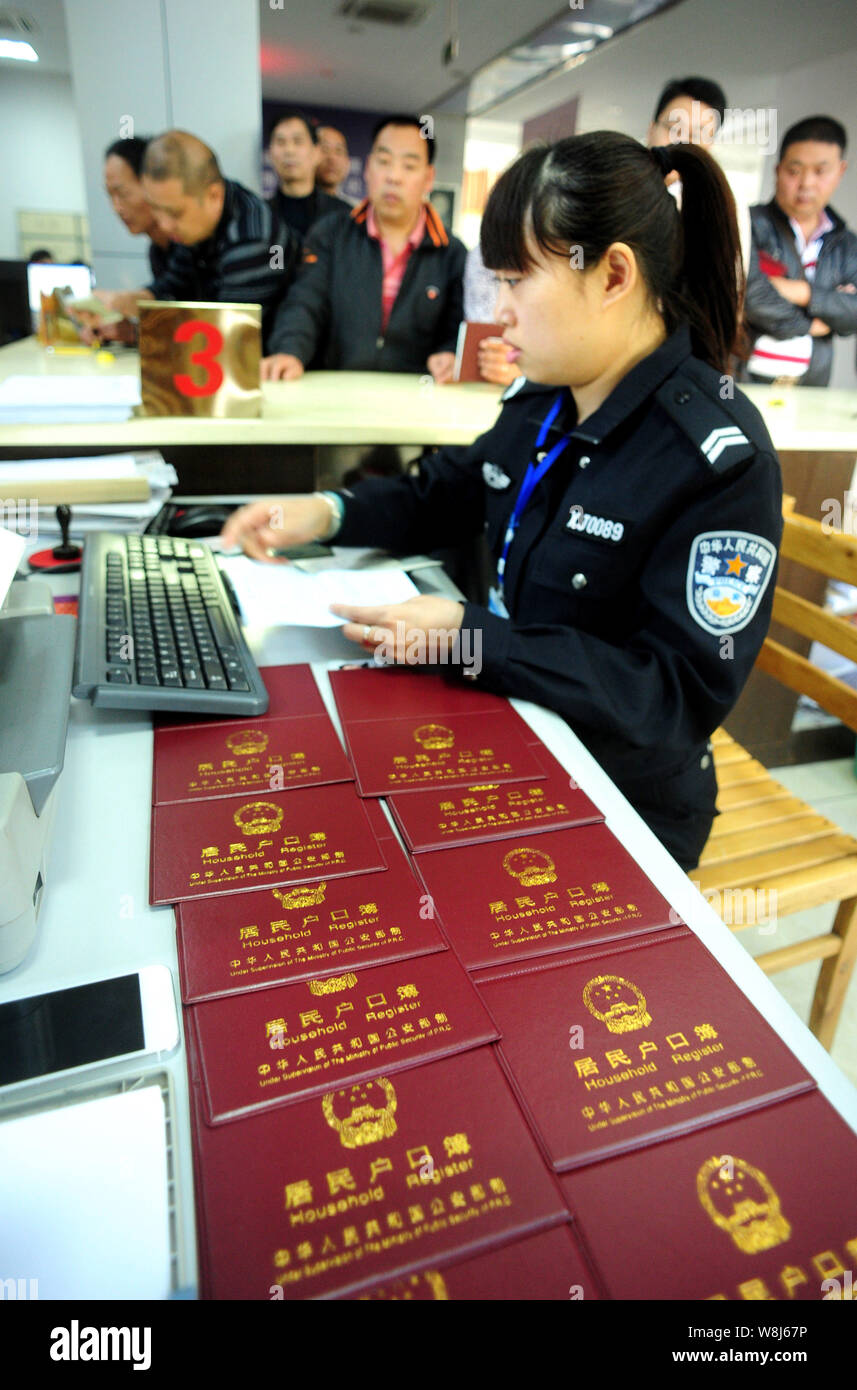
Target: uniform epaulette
723,424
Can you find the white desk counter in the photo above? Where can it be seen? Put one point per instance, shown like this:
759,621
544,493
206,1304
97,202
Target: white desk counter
321,408
375,408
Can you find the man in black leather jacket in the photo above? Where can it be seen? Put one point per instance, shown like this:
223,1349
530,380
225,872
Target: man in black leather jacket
802,280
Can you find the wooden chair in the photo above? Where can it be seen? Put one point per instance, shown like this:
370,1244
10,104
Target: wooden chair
768,849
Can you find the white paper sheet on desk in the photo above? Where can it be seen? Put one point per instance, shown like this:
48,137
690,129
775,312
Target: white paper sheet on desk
45,400
83,1201
281,595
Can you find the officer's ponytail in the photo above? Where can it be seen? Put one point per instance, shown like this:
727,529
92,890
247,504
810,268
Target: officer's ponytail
584,193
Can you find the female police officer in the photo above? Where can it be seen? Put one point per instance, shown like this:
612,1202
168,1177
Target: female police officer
632,498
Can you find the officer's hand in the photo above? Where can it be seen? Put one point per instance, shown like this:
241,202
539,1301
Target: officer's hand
418,632
441,365
493,364
274,523
819,329
282,367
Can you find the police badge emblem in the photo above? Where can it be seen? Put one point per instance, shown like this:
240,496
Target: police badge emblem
727,574
495,477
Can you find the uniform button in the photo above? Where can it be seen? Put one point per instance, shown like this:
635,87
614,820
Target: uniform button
541,456
705,760
578,581
681,397
584,460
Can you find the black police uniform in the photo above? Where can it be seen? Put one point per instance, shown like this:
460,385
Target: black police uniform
640,580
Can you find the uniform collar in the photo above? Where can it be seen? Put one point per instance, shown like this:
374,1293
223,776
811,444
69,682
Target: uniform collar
641,382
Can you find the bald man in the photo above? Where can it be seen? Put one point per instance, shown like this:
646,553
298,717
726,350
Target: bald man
230,246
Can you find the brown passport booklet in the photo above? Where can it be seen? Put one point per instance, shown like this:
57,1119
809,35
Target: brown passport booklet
613,1051
369,1182
492,810
470,335
235,843
292,692
192,764
277,935
549,1268
286,1044
392,692
392,755
761,1207
557,890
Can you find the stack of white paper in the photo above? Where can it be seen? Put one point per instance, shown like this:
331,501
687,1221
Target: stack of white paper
87,516
271,595
49,400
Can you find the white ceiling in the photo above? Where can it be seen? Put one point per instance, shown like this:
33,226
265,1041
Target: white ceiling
744,43
50,41
311,53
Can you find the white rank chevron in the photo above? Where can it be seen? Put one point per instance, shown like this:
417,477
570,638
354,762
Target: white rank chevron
721,439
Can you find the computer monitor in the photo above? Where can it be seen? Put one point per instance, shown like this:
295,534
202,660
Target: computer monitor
44,277
15,318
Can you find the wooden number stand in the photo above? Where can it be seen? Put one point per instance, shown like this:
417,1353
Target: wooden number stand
200,359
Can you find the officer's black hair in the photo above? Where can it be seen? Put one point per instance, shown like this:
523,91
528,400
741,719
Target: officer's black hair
824,129
588,191
697,88
421,123
131,150
293,115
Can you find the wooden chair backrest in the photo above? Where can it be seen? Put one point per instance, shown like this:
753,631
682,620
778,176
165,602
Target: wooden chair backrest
833,553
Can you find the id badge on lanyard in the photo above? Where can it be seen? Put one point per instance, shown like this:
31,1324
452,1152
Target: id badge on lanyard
532,477
496,602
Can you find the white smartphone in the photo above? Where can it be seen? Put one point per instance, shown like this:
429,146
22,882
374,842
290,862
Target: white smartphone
70,1031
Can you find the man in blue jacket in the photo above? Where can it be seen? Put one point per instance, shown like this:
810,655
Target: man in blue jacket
802,281
380,290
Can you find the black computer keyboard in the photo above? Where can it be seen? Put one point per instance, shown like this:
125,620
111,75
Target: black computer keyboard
158,630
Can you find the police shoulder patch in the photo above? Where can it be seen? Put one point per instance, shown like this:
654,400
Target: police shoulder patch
727,574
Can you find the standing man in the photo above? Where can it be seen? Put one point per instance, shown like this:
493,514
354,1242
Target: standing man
689,111
295,153
231,246
334,165
379,290
803,263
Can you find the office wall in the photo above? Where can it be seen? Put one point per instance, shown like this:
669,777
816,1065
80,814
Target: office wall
41,159
157,64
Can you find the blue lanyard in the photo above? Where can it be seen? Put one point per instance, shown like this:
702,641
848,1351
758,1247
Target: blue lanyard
532,478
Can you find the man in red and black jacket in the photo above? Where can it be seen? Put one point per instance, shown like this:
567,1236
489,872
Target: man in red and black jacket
380,290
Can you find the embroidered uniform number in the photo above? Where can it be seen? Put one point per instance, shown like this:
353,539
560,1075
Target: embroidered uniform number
590,525
205,357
